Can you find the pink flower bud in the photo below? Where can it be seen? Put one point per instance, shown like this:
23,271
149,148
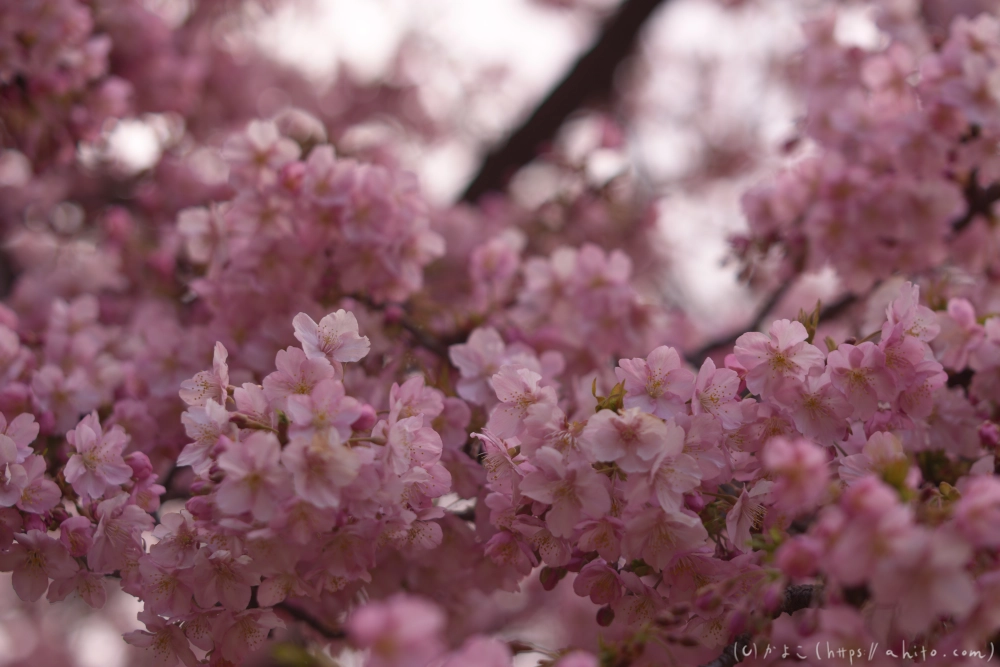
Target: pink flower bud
367,420
549,577
118,225
738,622
708,601
34,522
605,616
989,434
798,557
291,175
774,595
200,507
141,467
694,501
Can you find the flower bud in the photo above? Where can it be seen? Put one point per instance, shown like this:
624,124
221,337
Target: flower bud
989,434
200,507
709,600
366,422
34,522
140,465
694,502
550,576
291,176
605,616
738,622
774,596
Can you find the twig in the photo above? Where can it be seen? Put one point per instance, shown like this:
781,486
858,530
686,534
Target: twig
8,274
698,357
423,338
308,619
732,654
591,78
980,201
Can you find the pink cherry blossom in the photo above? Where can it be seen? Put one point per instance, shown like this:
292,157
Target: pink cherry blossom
118,537
598,582
163,642
335,337
783,354
177,540
977,512
220,576
671,475
212,384
925,578
321,465
572,489
481,652
409,442
518,389
748,513
714,392
21,431
657,536
401,631
297,374
960,334
632,440
253,480
657,384
478,360
800,470
881,451
868,524
35,558
861,374
205,425
77,535
413,398
916,320
248,633
97,463
38,494
325,408
819,409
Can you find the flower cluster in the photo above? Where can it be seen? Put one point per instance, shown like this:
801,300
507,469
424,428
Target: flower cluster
906,157
267,390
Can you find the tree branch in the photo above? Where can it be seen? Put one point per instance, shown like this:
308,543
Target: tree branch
980,201
591,78
8,274
308,619
697,358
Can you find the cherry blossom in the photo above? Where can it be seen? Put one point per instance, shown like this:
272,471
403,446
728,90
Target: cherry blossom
770,360
656,384
522,412
35,558
97,463
632,440
518,389
335,337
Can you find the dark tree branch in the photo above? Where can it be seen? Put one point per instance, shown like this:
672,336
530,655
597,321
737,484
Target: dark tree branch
591,78
980,200
8,274
796,598
303,617
698,357
421,335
